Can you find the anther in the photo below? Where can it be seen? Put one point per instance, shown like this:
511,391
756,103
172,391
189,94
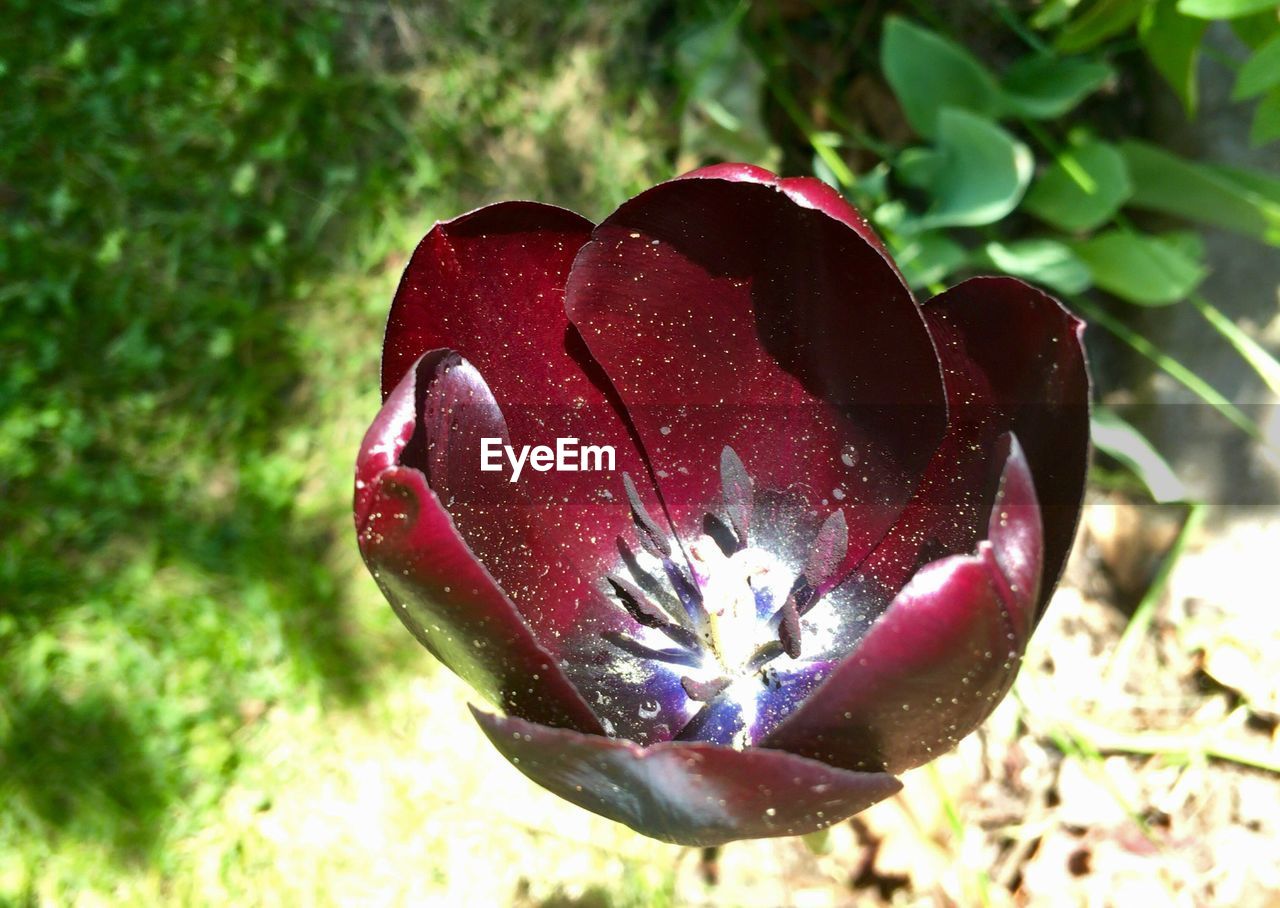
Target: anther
703,691
651,535
739,494
647,581
672,656
646,612
789,628
828,550
636,603
763,655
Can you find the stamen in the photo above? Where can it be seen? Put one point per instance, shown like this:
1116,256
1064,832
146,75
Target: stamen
739,494
828,550
691,597
651,535
645,612
728,607
765,654
685,657
637,603
649,583
719,532
789,628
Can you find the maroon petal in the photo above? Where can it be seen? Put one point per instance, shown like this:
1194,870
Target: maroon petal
808,191
1012,360
439,590
726,312
1023,353
689,794
1015,531
490,285
939,659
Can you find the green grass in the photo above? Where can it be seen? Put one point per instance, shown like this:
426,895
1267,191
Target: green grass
205,210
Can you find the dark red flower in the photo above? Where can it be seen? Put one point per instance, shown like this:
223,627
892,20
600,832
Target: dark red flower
832,521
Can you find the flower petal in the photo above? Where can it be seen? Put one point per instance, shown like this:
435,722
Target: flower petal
689,794
1015,530
1029,352
939,659
490,285
636,696
439,590
1012,361
727,313
807,191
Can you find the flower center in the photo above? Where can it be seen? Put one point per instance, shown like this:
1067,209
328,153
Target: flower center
740,593
720,615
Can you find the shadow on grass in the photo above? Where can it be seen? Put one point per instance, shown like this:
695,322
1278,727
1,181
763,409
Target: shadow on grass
174,175
176,182
80,769
592,898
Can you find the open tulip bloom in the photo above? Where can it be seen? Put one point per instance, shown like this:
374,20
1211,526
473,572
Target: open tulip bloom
829,519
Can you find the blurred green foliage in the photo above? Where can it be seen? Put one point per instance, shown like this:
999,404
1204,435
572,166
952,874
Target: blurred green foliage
1008,140
171,175
204,209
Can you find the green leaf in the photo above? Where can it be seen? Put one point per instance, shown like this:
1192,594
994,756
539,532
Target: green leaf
1172,44
1223,9
723,85
1142,269
1250,350
1260,72
891,215
1102,20
918,167
1176,370
873,184
927,258
1055,12
1266,119
1042,86
929,72
1046,262
984,172
1256,29
1083,188
1187,242
1198,192
831,167
818,842
1116,438
1261,184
